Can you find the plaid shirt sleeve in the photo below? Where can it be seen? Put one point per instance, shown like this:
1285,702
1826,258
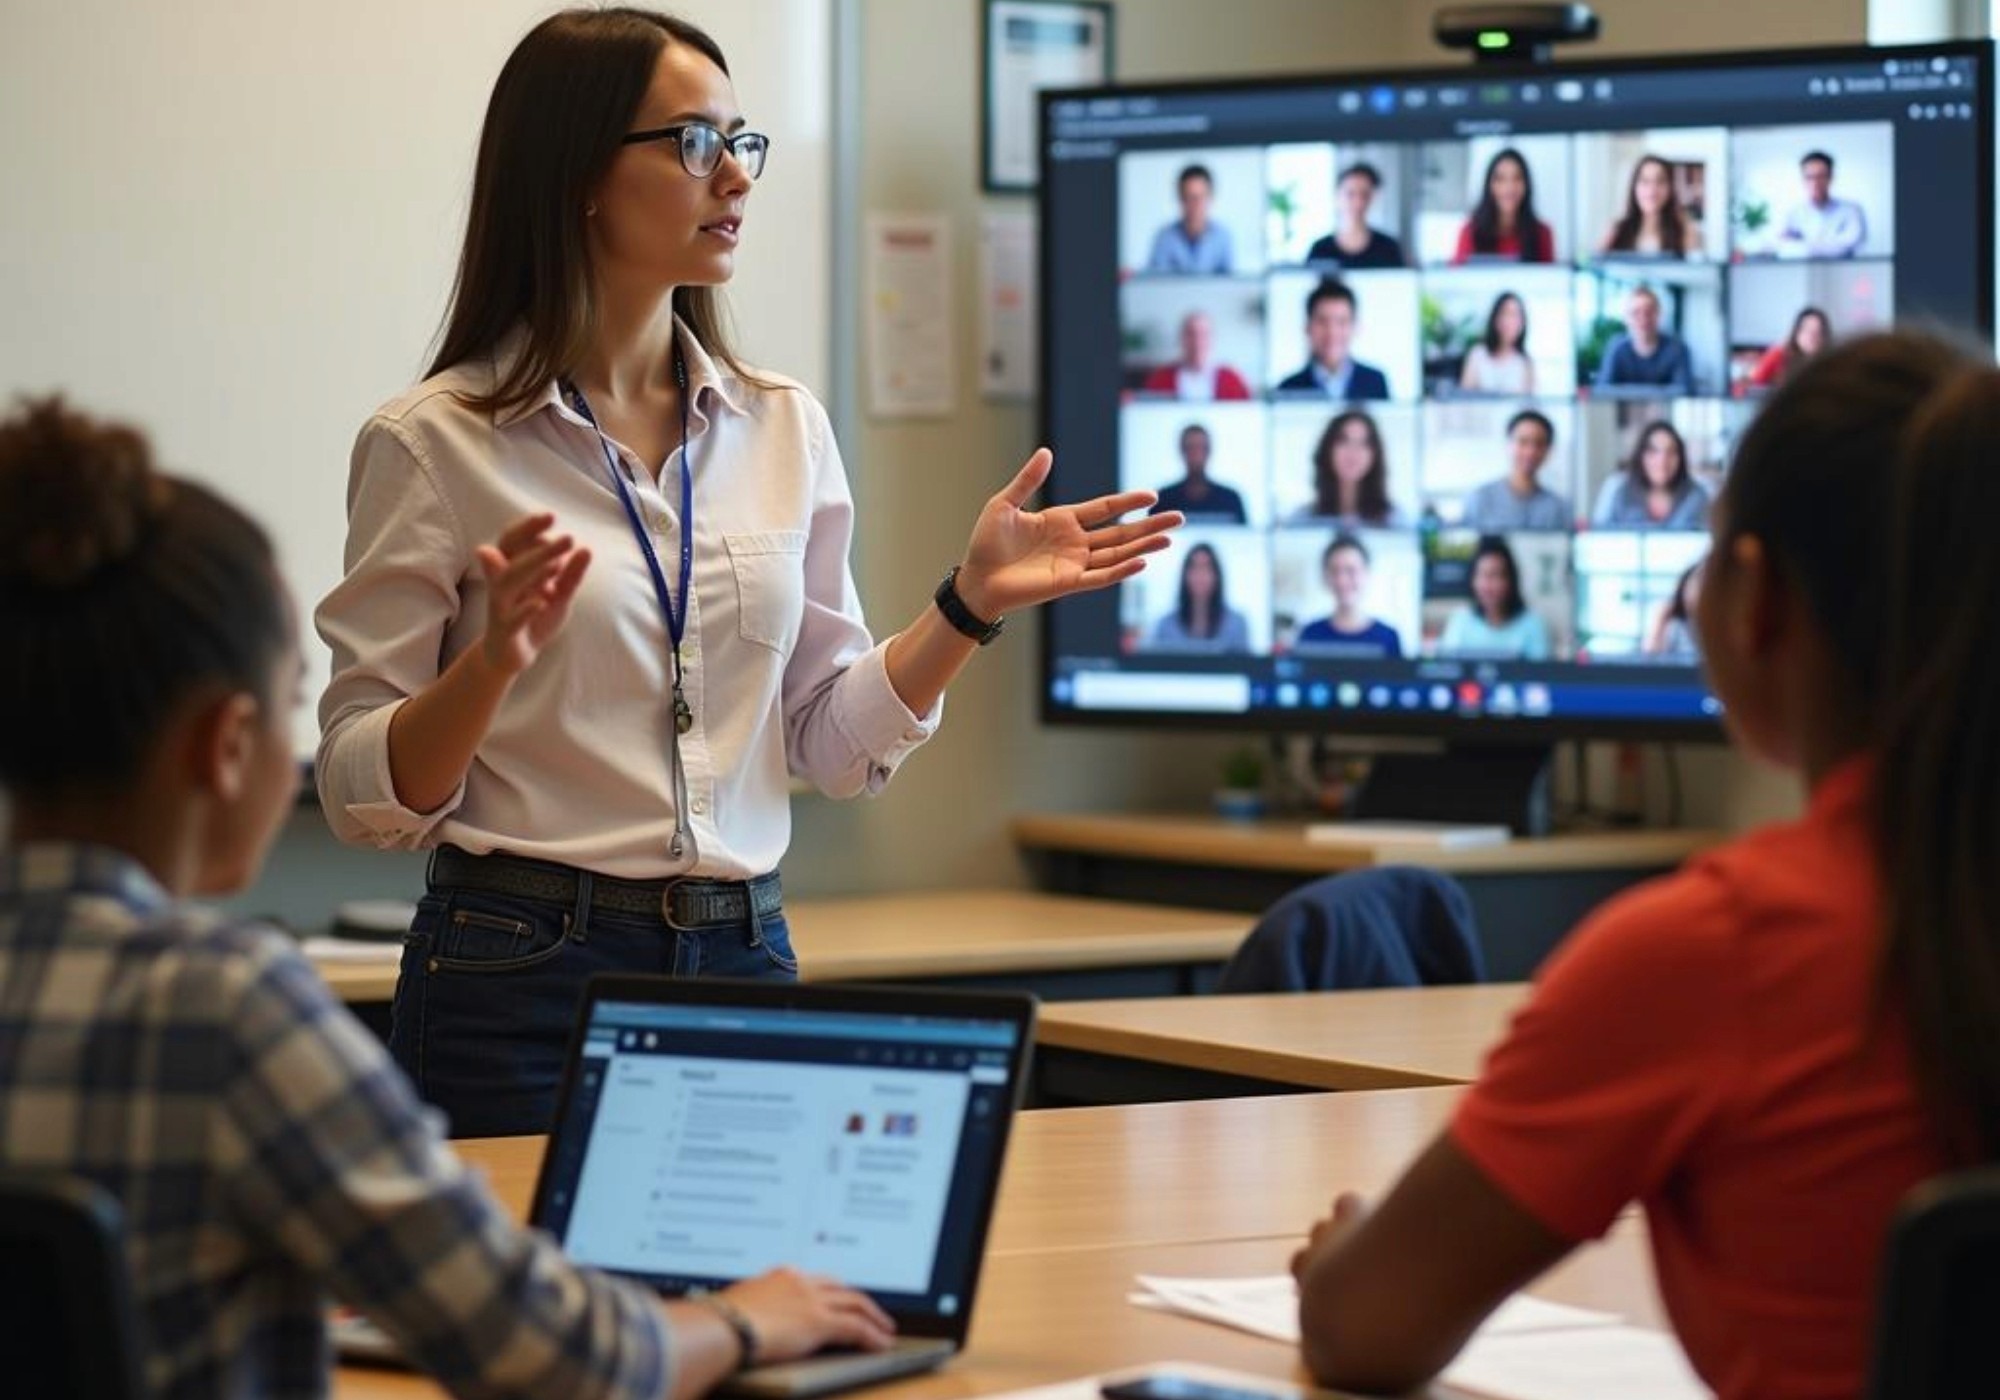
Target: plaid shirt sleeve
325,1147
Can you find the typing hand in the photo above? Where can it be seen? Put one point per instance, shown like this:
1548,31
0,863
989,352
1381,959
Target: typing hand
531,579
1018,557
796,1314
1348,1211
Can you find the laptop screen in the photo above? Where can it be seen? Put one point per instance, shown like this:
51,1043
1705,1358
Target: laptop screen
700,1144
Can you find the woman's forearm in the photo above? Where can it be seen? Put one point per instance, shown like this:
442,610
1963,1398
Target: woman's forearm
924,658
435,734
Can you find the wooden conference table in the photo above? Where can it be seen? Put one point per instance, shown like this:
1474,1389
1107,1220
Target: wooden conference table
1526,893
1051,944
1204,1047
1094,1196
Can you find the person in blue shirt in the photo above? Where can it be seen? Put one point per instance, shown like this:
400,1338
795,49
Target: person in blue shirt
1197,495
1350,631
1193,243
1646,358
1332,372
1497,625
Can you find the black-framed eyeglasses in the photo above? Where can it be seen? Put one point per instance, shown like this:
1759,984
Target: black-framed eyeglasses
701,147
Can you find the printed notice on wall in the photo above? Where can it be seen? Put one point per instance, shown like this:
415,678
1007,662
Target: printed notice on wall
909,316
1007,304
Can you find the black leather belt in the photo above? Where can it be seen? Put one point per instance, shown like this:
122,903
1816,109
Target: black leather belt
681,903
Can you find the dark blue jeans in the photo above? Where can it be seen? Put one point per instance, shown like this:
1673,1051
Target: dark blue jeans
490,985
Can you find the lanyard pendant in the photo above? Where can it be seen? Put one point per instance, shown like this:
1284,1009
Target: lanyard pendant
683,715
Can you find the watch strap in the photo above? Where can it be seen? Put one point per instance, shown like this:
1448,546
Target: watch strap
960,616
737,1322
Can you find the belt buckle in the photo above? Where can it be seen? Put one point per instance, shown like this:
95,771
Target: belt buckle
667,904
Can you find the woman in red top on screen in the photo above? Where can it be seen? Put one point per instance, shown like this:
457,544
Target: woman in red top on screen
1504,223
1768,1049
1654,224
1196,376
1811,333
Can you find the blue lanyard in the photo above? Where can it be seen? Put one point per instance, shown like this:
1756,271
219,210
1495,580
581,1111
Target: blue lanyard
676,617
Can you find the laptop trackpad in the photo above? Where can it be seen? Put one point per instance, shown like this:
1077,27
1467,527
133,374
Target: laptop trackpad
842,1370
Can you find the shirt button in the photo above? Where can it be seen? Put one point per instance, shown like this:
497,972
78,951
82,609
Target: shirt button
699,806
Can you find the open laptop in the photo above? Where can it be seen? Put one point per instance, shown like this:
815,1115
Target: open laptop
710,1130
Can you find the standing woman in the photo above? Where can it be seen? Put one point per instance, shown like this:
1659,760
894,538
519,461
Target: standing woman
598,609
1504,223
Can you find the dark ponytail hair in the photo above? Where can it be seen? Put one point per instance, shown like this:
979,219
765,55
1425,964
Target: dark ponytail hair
121,591
1890,438
1939,803
561,106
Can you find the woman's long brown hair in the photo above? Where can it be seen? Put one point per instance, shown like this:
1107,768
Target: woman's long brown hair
562,103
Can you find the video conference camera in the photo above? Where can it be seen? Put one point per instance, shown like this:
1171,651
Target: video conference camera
1513,33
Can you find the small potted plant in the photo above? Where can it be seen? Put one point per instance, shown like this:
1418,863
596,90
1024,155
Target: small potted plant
1241,796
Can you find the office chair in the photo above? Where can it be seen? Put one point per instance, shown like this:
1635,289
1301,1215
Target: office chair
68,1326
1395,926
1941,1293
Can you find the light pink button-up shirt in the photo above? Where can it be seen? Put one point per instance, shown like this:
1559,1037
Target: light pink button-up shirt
781,672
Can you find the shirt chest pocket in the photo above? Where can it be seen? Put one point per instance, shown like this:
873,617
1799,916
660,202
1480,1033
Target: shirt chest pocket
769,569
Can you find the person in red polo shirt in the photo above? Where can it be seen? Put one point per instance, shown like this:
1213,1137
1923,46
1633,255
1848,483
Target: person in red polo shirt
1769,1048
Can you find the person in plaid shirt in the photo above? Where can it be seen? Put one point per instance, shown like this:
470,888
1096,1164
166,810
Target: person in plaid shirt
267,1152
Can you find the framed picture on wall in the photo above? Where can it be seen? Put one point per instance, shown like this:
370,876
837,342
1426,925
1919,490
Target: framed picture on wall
1031,45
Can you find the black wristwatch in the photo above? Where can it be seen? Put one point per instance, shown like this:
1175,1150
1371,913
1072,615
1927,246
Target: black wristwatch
747,1341
960,616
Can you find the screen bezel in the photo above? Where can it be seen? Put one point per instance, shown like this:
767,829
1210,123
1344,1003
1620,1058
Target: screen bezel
1483,730
1015,1008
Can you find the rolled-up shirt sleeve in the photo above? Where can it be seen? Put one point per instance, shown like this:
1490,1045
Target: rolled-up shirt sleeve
846,729
385,623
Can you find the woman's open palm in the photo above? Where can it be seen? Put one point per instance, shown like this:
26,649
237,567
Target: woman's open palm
1018,557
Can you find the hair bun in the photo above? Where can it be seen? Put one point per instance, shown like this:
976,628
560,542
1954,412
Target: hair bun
76,494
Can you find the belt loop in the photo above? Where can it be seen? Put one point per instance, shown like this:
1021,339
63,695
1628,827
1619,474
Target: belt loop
430,869
580,920
756,920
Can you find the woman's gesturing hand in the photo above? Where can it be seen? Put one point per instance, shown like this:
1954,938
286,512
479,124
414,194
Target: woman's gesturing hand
531,578
1018,557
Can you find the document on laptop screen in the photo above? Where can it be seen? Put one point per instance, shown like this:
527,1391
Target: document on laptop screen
728,1167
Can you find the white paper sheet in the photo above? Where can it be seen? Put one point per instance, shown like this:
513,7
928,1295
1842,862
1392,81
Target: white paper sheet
910,342
1268,1306
1529,1349
1585,1363
1007,310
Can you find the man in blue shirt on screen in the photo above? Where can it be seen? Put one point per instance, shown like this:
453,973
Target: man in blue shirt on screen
1193,243
1333,372
1646,359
